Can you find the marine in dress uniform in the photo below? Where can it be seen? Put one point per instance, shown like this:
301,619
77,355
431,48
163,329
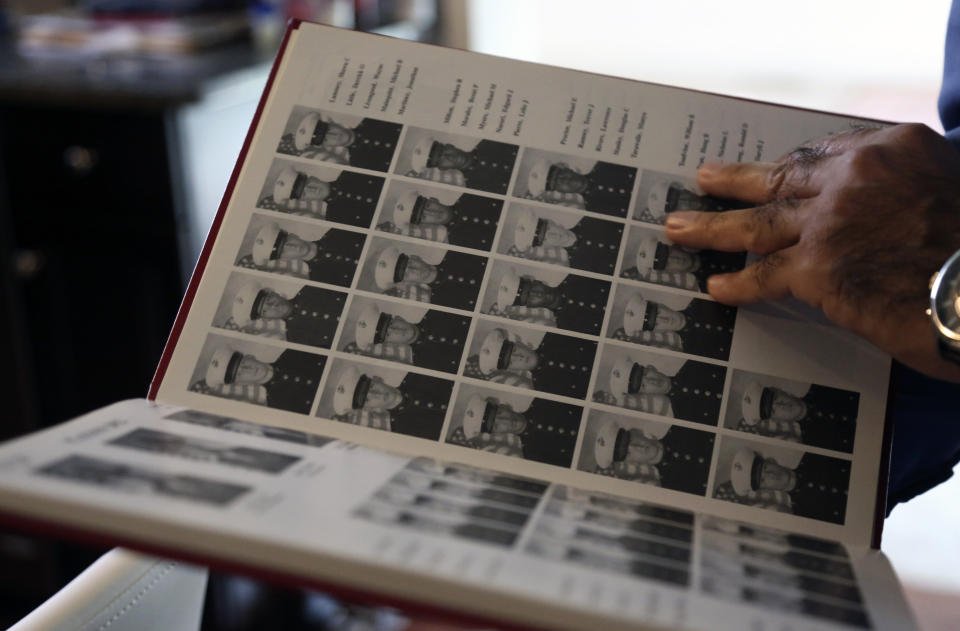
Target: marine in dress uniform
310,317
578,303
547,429
331,259
420,411
695,391
448,524
471,221
605,189
606,562
293,376
620,543
486,167
437,339
655,255
827,417
428,503
350,199
705,328
666,196
681,456
559,364
592,244
817,486
369,145
455,284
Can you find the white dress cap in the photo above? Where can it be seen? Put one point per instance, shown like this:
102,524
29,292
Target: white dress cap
526,229
473,416
604,443
507,289
646,253
421,153
243,303
304,134
343,395
620,377
750,403
537,178
740,470
403,209
386,266
367,326
283,185
217,368
264,242
657,199
490,350
633,314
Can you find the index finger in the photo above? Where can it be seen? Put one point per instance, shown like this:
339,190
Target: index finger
760,182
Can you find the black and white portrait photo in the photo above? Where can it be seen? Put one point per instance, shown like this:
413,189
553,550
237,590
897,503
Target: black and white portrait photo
203,450
788,582
256,373
621,515
807,413
423,273
385,398
280,309
761,591
405,333
441,215
138,480
782,479
473,475
483,165
548,297
659,194
238,426
573,503
307,251
321,192
676,322
457,487
530,358
664,385
437,524
649,257
366,143
582,533
650,452
781,538
582,183
567,545
561,238
517,425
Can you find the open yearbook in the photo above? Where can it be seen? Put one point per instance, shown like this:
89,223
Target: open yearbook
437,352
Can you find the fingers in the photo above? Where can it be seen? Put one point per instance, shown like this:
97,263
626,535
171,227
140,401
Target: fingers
759,230
761,182
767,279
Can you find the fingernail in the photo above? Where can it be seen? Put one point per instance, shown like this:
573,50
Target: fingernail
708,172
681,219
716,283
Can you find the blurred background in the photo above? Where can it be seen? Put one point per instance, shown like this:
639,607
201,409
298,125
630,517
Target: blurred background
121,120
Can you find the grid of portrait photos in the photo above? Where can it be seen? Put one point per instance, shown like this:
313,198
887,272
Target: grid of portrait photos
449,500
515,301
781,571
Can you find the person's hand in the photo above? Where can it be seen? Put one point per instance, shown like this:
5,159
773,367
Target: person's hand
854,224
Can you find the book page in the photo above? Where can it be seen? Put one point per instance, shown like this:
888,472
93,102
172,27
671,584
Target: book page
441,253
462,539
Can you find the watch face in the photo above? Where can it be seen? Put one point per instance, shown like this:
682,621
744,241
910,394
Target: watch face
946,298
